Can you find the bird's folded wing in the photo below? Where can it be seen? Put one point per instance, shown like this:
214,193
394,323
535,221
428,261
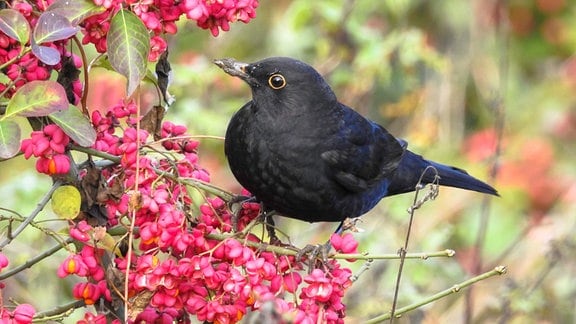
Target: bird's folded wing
364,154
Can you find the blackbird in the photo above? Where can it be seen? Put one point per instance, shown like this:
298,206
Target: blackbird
307,156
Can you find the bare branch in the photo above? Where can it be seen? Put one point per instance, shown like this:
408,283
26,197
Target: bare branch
11,235
499,270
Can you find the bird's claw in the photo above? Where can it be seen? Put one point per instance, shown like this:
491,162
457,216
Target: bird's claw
235,206
238,200
270,227
318,252
349,224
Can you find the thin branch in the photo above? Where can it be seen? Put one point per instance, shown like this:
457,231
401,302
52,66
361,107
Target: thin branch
58,312
11,235
365,267
448,253
36,225
208,187
416,204
499,270
84,99
132,215
29,263
93,152
23,50
358,256
186,137
394,256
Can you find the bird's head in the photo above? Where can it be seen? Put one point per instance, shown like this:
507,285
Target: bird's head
281,81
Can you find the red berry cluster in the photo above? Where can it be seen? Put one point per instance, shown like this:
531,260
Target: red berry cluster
49,146
160,17
90,318
22,314
178,260
217,14
190,263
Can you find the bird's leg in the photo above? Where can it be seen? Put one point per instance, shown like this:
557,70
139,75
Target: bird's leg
265,216
270,227
267,220
340,227
237,200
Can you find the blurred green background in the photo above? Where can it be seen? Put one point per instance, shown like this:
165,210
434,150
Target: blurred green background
457,79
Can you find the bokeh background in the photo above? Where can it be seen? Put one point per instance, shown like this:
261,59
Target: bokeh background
489,86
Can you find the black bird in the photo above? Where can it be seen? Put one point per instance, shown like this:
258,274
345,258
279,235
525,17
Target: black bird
307,156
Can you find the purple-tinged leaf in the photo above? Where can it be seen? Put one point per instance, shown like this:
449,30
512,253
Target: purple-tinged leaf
47,55
75,125
9,138
75,10
37,98
51,27
14,25
128,47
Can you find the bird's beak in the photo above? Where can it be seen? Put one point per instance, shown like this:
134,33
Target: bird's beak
237,69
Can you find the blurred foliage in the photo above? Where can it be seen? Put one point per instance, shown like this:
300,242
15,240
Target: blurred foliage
444,75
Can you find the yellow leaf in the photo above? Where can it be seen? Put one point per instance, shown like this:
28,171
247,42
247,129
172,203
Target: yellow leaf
66,202
107,242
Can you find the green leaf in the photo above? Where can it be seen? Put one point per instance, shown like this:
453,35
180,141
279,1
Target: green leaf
52,26
4,78
102,61
107,242
9,139
36,99
128,47
75,11
66,202
14,25
75,125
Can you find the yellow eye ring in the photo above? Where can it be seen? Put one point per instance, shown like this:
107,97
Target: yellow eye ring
277,81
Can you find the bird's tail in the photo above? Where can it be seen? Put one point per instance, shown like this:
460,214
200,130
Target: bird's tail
454,177
413,168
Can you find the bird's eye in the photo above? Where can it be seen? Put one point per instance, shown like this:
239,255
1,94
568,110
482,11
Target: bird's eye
277,81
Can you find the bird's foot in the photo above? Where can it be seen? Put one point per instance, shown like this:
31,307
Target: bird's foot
349,224
239,200
235,206
315,254
271,227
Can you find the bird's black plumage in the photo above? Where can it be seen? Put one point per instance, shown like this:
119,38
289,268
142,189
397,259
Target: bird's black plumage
307,156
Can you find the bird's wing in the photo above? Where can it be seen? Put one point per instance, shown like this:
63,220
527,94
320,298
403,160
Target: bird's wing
362,154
